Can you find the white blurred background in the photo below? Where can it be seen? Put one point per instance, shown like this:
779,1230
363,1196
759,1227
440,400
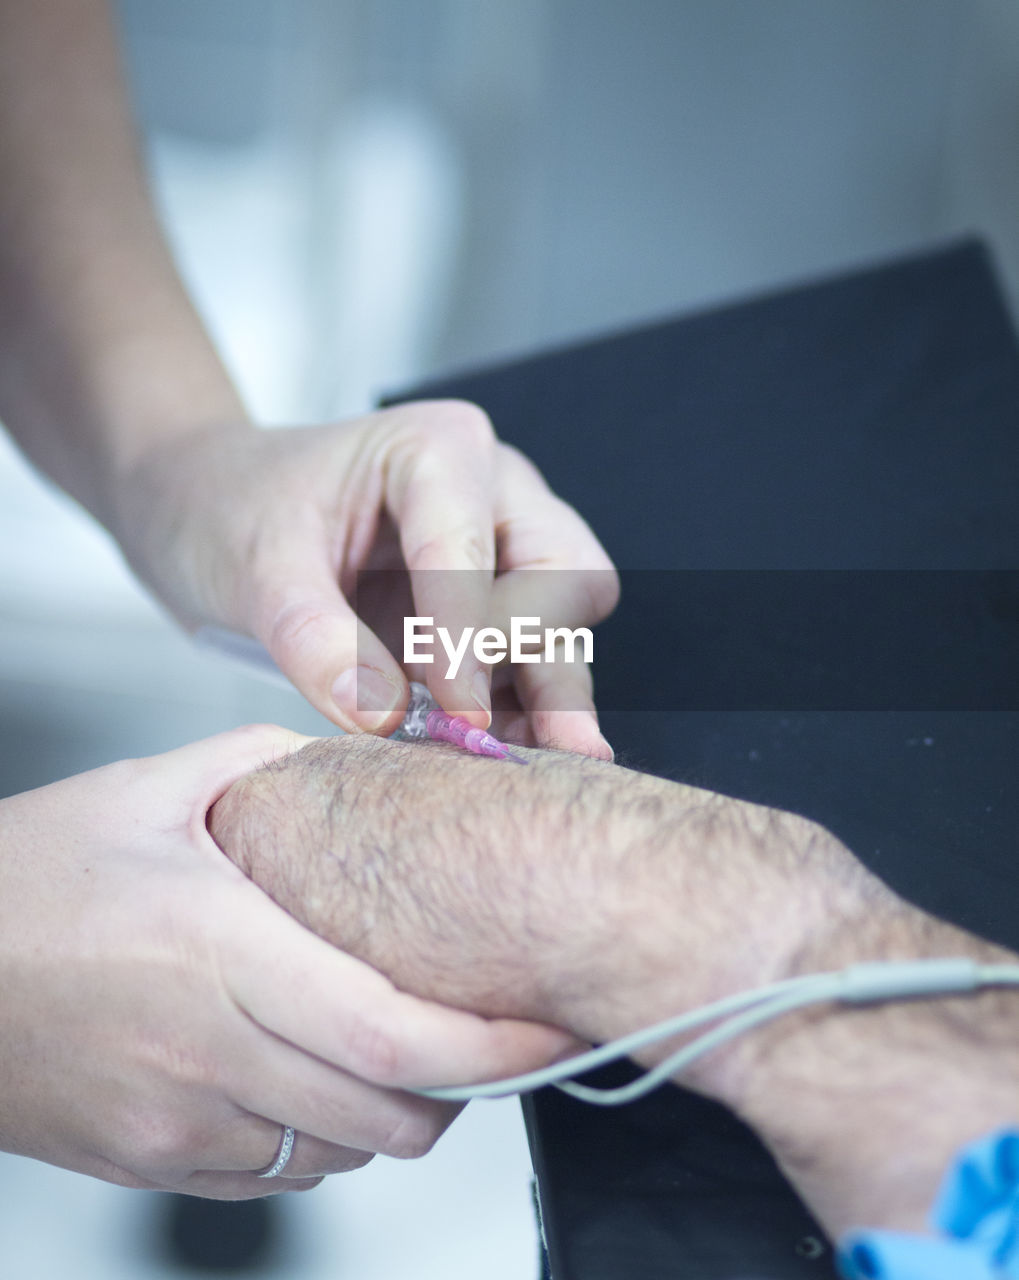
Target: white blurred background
364,192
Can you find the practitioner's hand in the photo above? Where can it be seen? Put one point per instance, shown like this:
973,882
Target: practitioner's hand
112,386
162,1019
265,531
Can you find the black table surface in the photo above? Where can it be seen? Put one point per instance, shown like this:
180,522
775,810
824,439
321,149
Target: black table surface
868,423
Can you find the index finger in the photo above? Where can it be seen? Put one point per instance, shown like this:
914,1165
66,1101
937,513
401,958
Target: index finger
304,990
558,571
440,491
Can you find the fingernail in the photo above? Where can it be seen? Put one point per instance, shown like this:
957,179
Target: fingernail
366,696
610,754
481,694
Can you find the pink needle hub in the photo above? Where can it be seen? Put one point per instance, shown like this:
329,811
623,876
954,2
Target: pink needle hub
426,719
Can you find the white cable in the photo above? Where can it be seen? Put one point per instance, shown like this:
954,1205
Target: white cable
858,984
621,1048
813,993
999,975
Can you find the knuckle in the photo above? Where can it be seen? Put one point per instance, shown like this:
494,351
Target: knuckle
468,422
374,1053
467,547
604,593
593,573
586,552
516,461
133,776
157,1145
477,549
297,631
347,1159
413,1136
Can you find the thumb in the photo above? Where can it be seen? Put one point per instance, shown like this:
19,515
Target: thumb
326,651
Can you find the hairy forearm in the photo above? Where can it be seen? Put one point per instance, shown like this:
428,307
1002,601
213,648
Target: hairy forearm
560,881
101,353
602,900
864,1107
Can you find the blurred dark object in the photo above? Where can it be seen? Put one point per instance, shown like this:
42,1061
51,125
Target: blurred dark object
220,1235
672,1185
869,422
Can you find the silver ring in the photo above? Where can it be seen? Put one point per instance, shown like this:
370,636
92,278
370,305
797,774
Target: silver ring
282,1156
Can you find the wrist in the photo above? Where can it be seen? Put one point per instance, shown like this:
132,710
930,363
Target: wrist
705,898
863,1107
145,393
181,536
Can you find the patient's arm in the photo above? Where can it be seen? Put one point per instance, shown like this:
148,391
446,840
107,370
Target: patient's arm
602,900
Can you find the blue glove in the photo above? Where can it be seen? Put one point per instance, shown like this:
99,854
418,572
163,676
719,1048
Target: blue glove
977,1212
